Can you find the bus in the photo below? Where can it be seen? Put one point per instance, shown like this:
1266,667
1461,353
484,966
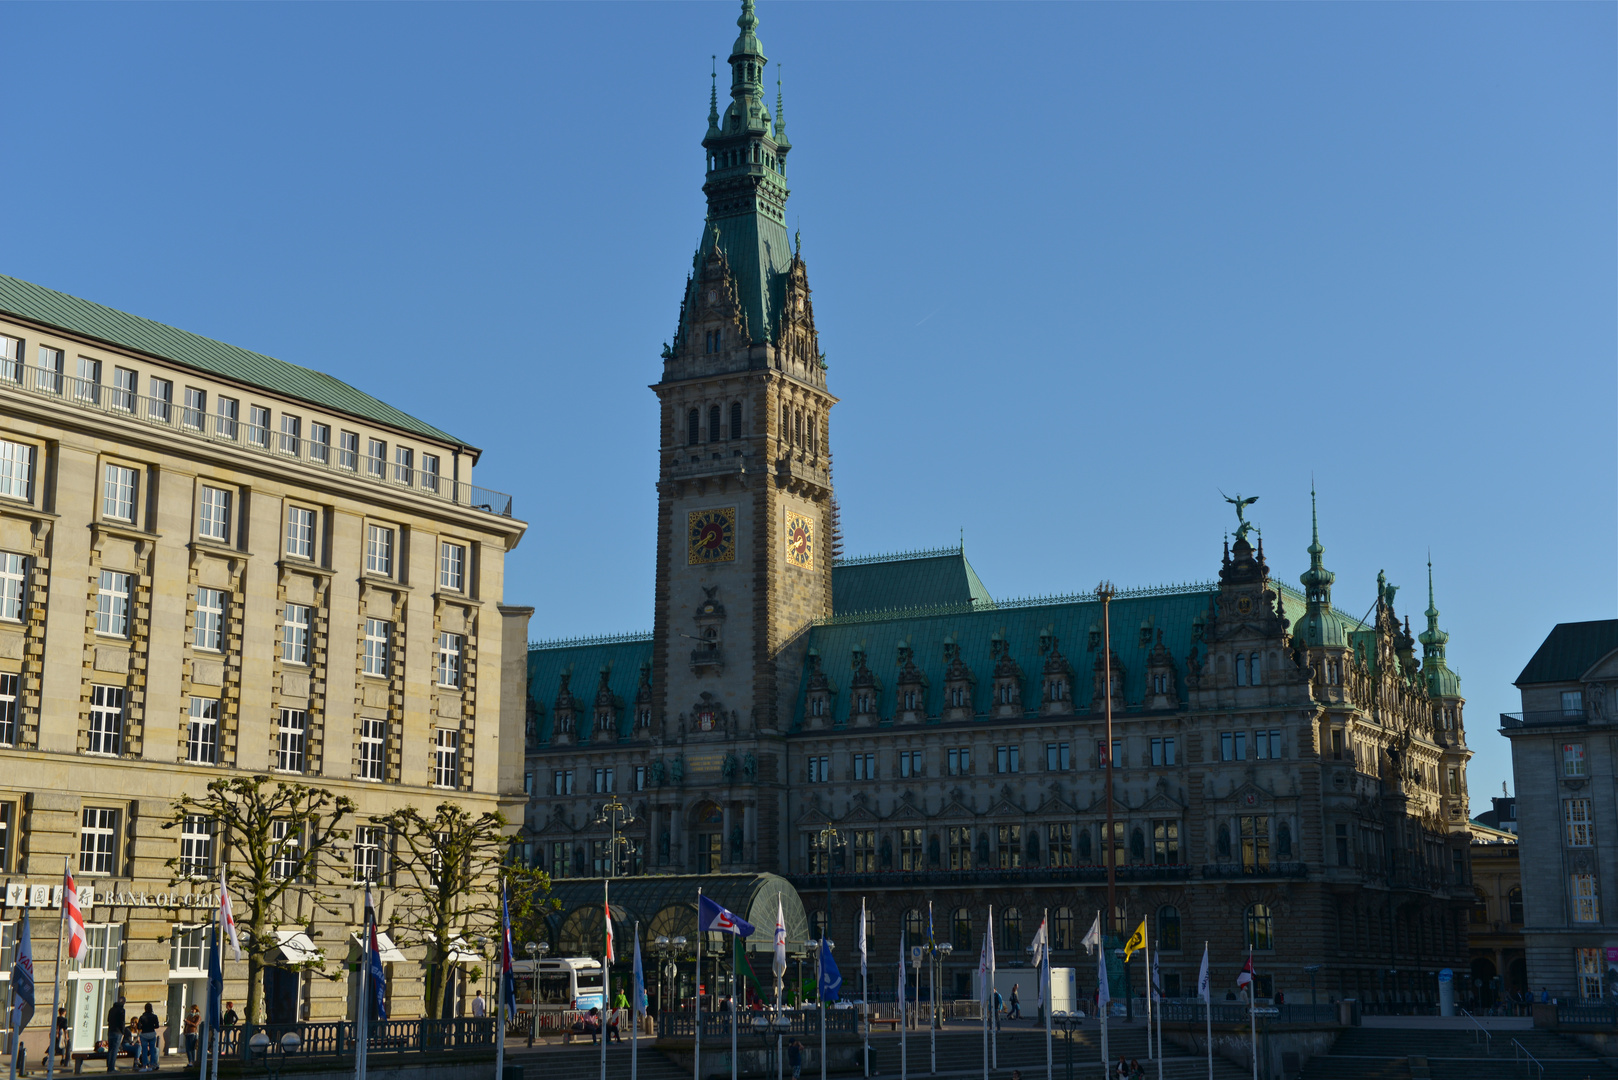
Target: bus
563,983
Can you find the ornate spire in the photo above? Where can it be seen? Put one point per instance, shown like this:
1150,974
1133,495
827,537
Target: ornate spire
781,139
713,96
1432,639
1317,579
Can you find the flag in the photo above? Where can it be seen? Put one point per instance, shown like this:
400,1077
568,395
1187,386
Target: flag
1204,988
779,964
22,980
901,996
508,978
1244,978
1092,940
378,978
862,940
1041,950
640,979
715,919
1137,940
612,954
930,938
75,917
224,913
831,980
216,978
1157,978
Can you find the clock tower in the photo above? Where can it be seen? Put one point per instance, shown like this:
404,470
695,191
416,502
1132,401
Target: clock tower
744,487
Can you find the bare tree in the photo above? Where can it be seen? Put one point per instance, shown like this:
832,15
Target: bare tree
276,840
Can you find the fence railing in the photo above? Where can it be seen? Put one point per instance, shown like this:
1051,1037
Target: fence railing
1236,1012
1552,718
340,1038
1586,1014
288,445
1521,1056
717,1024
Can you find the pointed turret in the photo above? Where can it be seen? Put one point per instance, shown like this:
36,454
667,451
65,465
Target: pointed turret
1441,681
1318,627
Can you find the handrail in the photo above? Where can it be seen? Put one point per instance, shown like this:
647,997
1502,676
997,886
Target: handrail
1531,1058
1488,1045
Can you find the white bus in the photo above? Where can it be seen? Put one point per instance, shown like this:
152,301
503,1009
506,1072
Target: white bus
559,984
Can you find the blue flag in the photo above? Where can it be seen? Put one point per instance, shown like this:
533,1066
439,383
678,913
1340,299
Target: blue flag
508,978
711,917
640,979
831,980
373,960
216,980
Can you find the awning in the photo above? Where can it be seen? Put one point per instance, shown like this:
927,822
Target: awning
295,947
460,952
384,945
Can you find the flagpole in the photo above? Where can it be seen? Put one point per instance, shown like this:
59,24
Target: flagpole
362,1008
56,985
696,1044
904,1028
634,1015
606,965
865,996
1252,1009
1146,947
735,1015
1045,951
1103,1007
1157,988
1205,989
994,1021
219,943
16,1027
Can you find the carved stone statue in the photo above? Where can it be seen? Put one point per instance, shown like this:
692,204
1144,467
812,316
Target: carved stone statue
750,767
1243,526
677,770
727,768
657,771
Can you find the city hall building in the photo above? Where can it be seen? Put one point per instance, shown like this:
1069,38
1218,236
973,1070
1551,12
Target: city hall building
1287,776
216,563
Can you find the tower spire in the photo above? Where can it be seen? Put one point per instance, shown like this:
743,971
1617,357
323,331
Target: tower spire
1317,579
781,139
713,95
1432,639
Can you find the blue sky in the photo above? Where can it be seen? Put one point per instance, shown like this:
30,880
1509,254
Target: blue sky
1076,268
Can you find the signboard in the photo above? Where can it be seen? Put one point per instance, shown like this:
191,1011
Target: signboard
20,894
1266,1010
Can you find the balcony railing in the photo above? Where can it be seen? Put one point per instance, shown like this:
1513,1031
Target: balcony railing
1272,870
988,876
198,424
1553,718
677,1023
1587,1014
341,1037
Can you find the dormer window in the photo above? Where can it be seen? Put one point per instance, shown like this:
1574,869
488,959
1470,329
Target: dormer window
1160,684
1058,691
957,698
910,700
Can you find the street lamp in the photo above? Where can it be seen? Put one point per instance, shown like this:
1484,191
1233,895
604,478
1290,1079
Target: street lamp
1312,970
820,948
615,816
535,949
668,950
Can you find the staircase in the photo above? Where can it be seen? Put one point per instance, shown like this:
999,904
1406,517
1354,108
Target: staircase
1401,1054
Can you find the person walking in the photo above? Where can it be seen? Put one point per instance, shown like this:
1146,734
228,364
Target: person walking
230,1018
795,1058
999,1006
1016,1006
193,1021
480,1008
115,1033
63,1038
147,1025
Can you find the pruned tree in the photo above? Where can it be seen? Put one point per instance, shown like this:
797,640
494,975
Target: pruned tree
277,840
448,867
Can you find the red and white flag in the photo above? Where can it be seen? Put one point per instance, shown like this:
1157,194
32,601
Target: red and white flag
226,917
1245,977
611,953
75,917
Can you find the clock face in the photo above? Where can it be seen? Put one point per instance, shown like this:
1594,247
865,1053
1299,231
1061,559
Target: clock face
711,536
800,540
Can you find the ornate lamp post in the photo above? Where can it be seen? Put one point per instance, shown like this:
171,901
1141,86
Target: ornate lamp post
668,951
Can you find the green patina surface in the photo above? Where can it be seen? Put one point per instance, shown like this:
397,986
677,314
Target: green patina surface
915,579
102,323
1570,651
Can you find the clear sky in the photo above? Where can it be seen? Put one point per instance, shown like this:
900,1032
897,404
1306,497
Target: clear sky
1076,268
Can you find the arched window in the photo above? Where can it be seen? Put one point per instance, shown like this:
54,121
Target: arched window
1120,920
693,421
1011,933
915,928
1241,669
1062,928
1514,904
1168,927
1258,669
735,420
1260,927
714,433
817,924
962,929
1224,840
910,699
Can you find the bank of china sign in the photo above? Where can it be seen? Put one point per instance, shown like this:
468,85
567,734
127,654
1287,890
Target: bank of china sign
22,895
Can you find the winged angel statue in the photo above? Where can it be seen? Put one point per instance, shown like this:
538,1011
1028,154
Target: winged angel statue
1243,526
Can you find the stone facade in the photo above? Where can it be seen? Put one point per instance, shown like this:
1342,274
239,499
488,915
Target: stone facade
1495,937
198,562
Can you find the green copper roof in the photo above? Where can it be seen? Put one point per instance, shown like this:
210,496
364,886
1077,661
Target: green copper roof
910,580
1570,651
582,660
90,319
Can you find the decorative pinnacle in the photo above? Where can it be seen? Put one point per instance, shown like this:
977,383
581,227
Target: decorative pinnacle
780,108
713,93
1433,638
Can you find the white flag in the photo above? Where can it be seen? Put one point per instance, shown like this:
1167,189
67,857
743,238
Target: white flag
862,939
1204,989
1103,988
779,964
1041,950
901,997
230,920
1092,940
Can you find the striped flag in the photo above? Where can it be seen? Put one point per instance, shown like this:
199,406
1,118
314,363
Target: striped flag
75,917
224,913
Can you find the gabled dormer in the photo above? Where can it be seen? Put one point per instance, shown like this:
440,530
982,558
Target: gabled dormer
864,693
607,707
1161,692
818,704
910,689
1056,677
1008,679
959,683
563,712
1098,684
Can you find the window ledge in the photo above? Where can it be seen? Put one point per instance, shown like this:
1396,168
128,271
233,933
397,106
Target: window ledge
450,596
302,566
126,530
380,581
219,547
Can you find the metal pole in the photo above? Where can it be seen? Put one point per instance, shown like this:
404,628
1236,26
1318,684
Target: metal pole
1146,948
735,1016
820,981
932,1007
56,989
1050,1060
606,954
696,1045
634,1016
1252,1011
865,993
1105,591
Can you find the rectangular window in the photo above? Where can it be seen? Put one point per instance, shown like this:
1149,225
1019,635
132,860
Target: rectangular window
561,858
404,465
1576,815
1118,856
1058,758
229,410
213,520
376,458
452,567
960,847
1453,776
88,386
378,635
640,778
862,844
865,766
960,761
1337,744
118,494
98,834
286,851
195,411
52,369
910,764
1117,752
16,470
159,398
348,450
447,759
1343,858
819,769
1255,830
379,550
106,720
1591,969
11,358
112,604
373,745
1267,744
816,861
368,853
1573,759
911,855
13,581
209,632
1233,746
449,659
1166,843
289,740
562,782
202,732
429,471
8,717
295,633
1005,759
1010,847
125,385
1061,844
291,435
1586,906
258,426
300,532
1572,702
604,782
188,949
320,443
196,846
1163,751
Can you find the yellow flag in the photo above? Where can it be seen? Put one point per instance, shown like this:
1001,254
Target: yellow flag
1137,940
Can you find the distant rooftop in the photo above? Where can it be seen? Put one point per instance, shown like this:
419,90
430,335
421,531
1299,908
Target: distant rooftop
940,577
1569,651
